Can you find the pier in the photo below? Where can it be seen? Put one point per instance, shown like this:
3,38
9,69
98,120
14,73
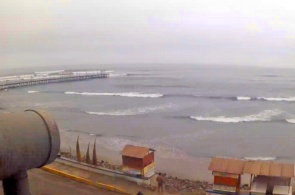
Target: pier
50,79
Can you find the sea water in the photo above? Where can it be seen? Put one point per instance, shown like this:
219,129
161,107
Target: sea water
191,110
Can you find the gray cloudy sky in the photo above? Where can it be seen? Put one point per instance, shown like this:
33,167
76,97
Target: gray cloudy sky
62,32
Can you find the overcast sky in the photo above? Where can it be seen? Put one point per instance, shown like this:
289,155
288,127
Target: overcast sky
63,32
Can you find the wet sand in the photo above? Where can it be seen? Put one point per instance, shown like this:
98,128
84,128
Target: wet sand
184,167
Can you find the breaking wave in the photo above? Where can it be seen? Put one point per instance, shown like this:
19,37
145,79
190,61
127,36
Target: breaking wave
128,94
33,91
291,121
243,98
237,98
264,116
277,99
159,95
117,143
247,98
116,113
272,99
135,111
261,158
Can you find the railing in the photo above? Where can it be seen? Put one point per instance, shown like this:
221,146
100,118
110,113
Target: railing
22,83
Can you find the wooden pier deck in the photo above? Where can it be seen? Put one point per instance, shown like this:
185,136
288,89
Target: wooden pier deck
48,79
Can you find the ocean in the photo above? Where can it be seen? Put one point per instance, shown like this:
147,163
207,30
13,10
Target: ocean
179,110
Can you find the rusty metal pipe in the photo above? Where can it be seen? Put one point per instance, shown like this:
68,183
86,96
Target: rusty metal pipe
28,139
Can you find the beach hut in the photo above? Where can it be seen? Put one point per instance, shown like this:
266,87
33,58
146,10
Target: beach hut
138,161
269,177
227,175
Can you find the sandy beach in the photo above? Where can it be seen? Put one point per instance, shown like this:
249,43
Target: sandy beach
184,167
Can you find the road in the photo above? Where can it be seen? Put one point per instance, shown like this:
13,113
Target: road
43,183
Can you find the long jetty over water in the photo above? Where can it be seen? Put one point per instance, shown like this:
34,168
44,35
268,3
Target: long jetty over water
50,79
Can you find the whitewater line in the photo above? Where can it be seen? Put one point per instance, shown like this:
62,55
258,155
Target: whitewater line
127,94
264,116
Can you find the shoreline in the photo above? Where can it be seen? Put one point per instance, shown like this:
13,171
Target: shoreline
181,174
172,184
182,167
184,173
178,166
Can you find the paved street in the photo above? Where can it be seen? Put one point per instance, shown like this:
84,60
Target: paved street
43,183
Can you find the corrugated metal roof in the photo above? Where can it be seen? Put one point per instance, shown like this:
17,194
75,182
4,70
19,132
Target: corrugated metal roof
227,165
267,168
275,169
257,167
135,151
287,170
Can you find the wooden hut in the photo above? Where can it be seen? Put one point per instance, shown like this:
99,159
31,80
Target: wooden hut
269,177
138,161
227,175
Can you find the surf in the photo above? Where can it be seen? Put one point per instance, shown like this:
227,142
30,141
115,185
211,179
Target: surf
260,158
127,94
292,121
277,99
134,111
33,91
264,116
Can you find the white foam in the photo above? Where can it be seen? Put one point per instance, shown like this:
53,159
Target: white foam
116,113
291,121
262,116
87,72
277,99
128,94
134,111
117,143
117,75
243,98
114,143
33,91
72,93
49,72
260,158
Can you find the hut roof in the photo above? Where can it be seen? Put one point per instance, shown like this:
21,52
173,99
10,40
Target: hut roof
135,151
264,168
269,169
227,165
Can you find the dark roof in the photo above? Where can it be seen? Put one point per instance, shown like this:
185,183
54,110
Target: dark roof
135,151
227,165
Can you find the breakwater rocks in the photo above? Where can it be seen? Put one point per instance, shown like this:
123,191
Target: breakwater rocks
176,185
